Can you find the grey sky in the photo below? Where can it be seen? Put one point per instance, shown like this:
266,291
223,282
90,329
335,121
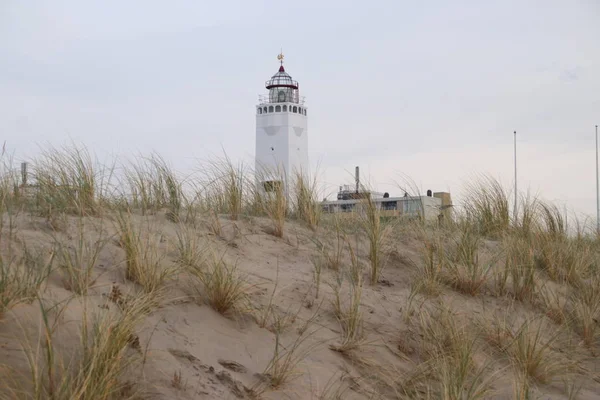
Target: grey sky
428,89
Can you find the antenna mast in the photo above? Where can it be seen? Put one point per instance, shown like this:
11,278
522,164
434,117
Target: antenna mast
515,209
597,189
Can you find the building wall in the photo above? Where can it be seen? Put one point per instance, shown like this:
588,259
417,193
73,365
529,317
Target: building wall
429,207
298,144
281,142
446,203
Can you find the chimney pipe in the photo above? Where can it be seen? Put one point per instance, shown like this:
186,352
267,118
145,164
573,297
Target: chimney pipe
357,177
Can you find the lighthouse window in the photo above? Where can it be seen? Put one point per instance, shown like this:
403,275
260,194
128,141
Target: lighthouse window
270,109
278,109
260,110
284,108
305,111
295,109
300,110
281,96
265,110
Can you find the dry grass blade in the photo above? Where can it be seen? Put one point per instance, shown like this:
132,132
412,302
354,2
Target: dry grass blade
333,254
12,197
103,360
553,220
496,331
170,188
585,310
461,379
143,261
528,218
350,318
487,206
520,267
465,272
429,278
564,259
276,207
307,207
221,286
532,353
77,262
100,364
554,304
334,390
153,185
21,279
283,365
441,333
190,249
376,231
67,180
317,262
145,189
224,187
448,369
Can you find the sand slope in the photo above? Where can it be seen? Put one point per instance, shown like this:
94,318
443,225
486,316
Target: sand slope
224,357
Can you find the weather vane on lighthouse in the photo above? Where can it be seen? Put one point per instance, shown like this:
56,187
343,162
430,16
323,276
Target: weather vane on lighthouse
280,57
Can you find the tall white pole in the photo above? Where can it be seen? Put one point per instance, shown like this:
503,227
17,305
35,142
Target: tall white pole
515,208
597,188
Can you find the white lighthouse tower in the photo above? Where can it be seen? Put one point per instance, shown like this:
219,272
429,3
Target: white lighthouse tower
281,134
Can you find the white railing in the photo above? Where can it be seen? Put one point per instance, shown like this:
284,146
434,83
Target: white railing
265,99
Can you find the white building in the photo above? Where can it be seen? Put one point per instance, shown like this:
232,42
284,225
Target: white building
429,207
281,134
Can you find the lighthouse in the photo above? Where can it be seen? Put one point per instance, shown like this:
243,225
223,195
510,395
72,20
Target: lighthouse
281,134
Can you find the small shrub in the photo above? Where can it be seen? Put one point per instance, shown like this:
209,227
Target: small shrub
332,255
276,208
487,206
169,188
554,304
448,348
77,262
282,367
317,263
532,353
67,180
21,279
460,378
99,369
429,276
142,259
564,259
224,184
585,310
307,207
464,270
350,318
221,286
441,333
376,231
153,185
520,264
191,252
497,332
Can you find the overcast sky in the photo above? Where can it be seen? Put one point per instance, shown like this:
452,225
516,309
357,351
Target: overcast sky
432,90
